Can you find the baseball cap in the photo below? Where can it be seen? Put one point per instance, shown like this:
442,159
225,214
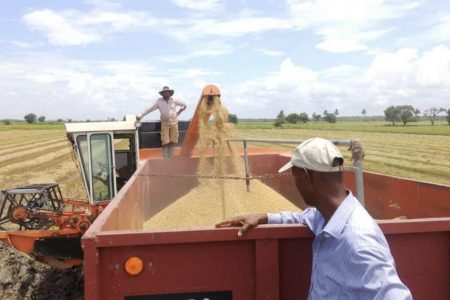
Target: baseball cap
315,154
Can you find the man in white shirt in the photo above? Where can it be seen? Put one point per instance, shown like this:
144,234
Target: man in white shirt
167,106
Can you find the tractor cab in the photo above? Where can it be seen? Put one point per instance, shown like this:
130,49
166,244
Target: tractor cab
108,152
106,155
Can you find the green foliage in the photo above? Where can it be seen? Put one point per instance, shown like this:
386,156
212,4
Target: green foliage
408,113
41,119
392,114
280,120
330,118
432,113
30,118
316,117
232,118
448,116
292,118
60,120
364,112
401,113
303,118
7,122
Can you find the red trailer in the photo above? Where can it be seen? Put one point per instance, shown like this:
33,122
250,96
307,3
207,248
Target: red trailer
270,262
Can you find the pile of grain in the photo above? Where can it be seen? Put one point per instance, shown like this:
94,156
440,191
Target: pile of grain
216,199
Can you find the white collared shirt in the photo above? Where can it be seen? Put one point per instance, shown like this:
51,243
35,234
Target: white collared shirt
167,109
351,257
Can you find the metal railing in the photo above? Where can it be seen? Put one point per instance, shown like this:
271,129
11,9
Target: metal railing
357,163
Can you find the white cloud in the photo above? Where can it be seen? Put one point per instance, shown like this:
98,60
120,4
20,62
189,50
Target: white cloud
348,25
441,30
206,49
269,52
393,78
81,89
21,44
338,40
199,4
231,27
72,27
59,29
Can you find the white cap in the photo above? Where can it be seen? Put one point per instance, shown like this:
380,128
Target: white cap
315,154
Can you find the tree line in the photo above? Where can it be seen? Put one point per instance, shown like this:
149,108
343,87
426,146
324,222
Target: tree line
395,114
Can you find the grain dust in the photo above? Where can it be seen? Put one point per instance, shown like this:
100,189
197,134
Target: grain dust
216,199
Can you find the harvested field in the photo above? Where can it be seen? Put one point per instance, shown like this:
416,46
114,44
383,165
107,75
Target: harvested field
33,156
420,157
38,156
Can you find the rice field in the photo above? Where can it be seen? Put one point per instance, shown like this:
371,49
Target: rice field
38,156
43,156
417,156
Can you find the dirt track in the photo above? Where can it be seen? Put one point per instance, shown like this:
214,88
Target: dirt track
22,277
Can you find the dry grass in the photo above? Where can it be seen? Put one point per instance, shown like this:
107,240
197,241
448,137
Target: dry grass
39,156
420,157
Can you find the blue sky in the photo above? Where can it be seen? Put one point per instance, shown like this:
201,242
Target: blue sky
98,58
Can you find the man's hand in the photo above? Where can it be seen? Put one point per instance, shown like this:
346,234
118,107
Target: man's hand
181,110
244,222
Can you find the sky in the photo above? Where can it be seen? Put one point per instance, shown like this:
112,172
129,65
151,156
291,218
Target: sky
96,59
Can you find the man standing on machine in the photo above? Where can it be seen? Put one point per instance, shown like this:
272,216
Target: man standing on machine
167,106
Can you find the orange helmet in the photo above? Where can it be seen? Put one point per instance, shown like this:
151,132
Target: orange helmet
211,90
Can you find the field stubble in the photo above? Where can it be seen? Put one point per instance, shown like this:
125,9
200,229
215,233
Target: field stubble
38,156
420,157
41,156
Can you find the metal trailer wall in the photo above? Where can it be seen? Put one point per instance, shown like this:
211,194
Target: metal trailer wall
270,262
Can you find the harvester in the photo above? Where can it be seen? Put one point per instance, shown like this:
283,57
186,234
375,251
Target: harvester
123,161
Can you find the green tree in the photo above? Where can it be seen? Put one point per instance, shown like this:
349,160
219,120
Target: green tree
432,113
30,118
60,120
364,112
408,113
292,118
336,112
330,118
392,114
303,118
41,119
316,117
448,116
7,122
232,118
280,120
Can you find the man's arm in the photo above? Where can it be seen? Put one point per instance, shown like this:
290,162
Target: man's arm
287,217
250,221
180,103
148,110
